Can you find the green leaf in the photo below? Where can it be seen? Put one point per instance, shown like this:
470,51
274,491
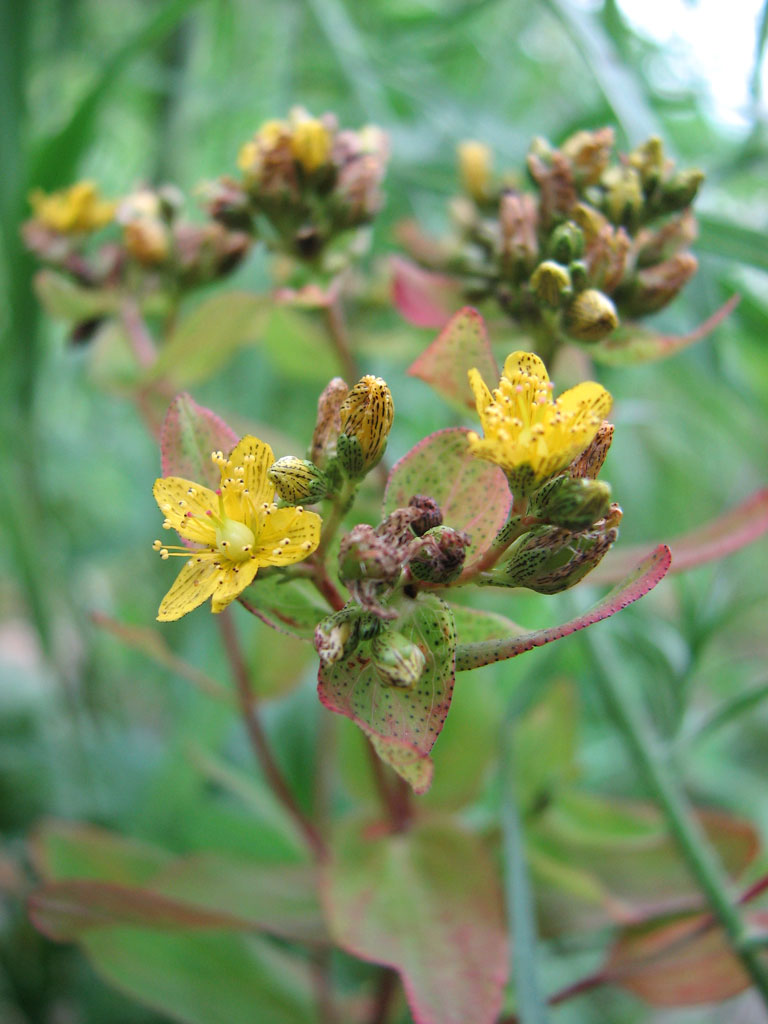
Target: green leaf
207,338
472,494
402,723
475,624
731,241
739,526
297,347
289,606
204,979
632,343
545,747
426,902
70,849
189,434
65,300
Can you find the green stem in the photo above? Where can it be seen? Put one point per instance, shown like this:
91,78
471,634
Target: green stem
642,743
341,505
336,327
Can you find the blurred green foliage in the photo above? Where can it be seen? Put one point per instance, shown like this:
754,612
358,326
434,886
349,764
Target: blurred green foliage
92,729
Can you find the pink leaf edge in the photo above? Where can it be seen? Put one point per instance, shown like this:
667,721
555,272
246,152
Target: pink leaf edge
215,431
422,297
739,526
462,345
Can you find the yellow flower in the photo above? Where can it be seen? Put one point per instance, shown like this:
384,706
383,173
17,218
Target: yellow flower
72,210
310,143
239,527
530,435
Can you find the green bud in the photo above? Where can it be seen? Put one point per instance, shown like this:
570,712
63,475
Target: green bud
550,559
623,200
579,272
566,243
551,283
438,556
591,316
337,635
681,190
398,661
572,502
298,481
648,160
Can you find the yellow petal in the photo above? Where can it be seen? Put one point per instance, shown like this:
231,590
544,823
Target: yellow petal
288,536
176,497
481,391
255,457
586,399
195,583
235,579
525,362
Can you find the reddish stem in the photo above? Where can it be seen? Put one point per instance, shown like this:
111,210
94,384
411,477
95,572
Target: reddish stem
258,737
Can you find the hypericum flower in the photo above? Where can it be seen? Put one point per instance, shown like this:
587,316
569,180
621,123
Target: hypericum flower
530,435
366,419
239,527
74,210
310,141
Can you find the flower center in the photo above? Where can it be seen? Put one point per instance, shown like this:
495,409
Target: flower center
234,540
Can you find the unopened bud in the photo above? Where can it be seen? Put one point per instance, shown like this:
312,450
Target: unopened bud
653,287
398,660
475,169
624,195
648,160
311,143
430,517
518,220
365,555
366,419
591,460
146,239
588,153
551,283
298,481
566,243
336,636
681,189
228,204
572,502
591,316
438,556
328,423
550,559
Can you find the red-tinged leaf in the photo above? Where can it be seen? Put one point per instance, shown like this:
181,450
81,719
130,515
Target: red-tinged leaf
208,891
190,433
639,582
62,850
427,903
474,624
204,978
682,961
635,344
402,722
473,495
736,528
423,297
461,346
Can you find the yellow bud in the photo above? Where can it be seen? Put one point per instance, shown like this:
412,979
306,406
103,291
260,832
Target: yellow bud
311,144
475,169
366,419
146,239
591,316
551,283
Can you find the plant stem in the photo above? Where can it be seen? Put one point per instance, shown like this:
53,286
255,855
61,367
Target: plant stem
385,991
339,335
586,984
639,738
395,800
341,505
258,737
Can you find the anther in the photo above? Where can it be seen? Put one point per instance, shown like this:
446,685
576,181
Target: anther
156,545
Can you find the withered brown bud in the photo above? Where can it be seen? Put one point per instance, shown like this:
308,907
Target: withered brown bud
653,287
438,556
518,219
328,424
588,465
431,515
588,153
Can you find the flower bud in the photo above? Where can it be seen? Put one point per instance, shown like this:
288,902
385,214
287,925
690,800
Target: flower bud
366,419
337,635
648,159
550,559
518,219
590,462
475,169
551,283
566,243
298,481
228,204
681,190
591,316
653,287
438,556
328,423
624,195
310,143
366,555
147,240
572,502
398,660
588,153
430,516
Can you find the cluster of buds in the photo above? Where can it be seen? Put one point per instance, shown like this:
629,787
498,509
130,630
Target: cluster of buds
598,240
573,525
137,243
307,182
